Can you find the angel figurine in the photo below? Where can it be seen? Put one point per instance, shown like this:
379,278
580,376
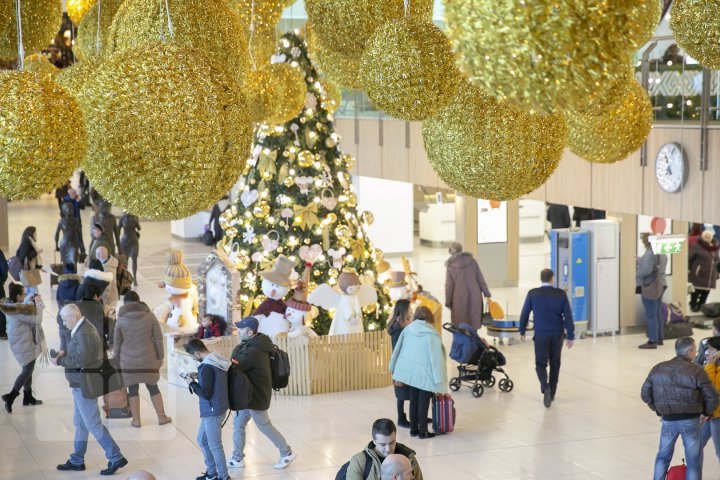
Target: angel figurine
348,302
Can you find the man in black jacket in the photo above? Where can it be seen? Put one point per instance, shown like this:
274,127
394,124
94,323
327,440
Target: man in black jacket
253,358
682,394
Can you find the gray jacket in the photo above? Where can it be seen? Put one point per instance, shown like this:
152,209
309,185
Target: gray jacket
24,329
85,350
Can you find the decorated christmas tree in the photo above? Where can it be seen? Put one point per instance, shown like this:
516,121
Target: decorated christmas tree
297,200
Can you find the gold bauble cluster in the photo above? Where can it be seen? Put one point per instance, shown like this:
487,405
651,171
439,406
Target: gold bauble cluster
696,25
275,93
86,40
612,129
42,135
206,25
408,69
486,148
76,9
41,21
39,63
163,120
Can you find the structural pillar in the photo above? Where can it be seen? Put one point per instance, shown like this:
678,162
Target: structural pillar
4,228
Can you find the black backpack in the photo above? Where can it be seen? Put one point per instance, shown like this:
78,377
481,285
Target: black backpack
342,473
280,369
240,388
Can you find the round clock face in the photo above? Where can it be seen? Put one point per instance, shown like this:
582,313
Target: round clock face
671,168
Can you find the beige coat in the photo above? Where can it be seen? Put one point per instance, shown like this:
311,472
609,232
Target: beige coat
110,296
138,343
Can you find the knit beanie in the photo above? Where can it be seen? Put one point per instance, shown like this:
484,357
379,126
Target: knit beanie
177,274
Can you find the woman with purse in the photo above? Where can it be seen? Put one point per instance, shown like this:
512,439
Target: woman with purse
28,255
703,262
649,279
27,341
401,318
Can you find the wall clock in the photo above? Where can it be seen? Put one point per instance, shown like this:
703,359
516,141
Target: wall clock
671,167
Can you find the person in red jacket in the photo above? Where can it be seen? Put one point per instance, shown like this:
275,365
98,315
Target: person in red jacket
211,326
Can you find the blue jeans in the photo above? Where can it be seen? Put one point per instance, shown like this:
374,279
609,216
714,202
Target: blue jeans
87,420
711,429
689,430
210,440
652,314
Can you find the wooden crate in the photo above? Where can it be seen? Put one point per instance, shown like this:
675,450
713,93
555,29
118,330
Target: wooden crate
324,364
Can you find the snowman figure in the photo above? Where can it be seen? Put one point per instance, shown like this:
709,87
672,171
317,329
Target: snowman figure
348,302
180,310
275,285
300,313
398,287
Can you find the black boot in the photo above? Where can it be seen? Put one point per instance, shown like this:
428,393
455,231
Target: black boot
9,398
403,421
28,399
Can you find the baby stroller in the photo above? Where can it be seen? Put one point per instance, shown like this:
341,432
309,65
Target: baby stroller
478,361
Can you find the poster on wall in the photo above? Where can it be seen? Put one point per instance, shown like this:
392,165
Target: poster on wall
492,222
654,226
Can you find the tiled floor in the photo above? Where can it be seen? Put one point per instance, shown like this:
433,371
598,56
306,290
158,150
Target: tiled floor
597,428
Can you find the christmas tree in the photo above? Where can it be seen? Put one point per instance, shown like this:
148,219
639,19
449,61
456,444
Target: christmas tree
297,200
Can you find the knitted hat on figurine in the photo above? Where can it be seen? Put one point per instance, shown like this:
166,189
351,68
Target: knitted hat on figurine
397,279
177,277
281,271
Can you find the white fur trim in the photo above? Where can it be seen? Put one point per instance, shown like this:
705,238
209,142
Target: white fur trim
98,275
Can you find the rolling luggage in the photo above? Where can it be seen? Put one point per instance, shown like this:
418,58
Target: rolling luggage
677,472
115,404
443,408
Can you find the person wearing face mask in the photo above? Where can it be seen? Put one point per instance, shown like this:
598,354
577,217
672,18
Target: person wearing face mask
253,358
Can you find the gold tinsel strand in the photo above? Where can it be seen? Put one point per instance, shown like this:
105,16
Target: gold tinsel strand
42,135
206,25
76,9
612,129
275,93
408,69
73,78
41,21
168,130
39,63
542,54
86,40
491,149
696,25
341,69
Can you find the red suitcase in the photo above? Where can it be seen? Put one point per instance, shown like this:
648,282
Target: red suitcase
677,472
443,414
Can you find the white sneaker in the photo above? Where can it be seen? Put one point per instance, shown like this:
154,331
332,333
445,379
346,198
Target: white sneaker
232,463
285,461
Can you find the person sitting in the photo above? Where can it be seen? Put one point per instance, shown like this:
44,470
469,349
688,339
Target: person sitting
211,326
383,445
396,467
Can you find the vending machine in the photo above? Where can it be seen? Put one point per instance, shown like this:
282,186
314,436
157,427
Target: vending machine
570,260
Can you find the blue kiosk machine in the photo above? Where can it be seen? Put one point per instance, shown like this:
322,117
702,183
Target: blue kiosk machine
570,260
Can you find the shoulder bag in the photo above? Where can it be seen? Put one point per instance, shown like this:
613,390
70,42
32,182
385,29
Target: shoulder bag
30,277
654,289
96,382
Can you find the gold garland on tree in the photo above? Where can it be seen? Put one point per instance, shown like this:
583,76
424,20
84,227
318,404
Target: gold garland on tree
86,40
275,93
489,149
168,130
42,135
612,128
408,69
41,21
208,26
696,25
76,9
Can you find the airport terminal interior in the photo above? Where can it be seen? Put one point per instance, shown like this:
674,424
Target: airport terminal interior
419,201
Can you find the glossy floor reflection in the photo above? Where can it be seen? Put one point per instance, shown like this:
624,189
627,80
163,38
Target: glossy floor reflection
597,428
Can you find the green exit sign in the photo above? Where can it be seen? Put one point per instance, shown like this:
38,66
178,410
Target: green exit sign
667,244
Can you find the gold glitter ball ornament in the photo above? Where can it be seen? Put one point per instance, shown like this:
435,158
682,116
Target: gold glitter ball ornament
86,40
610,131
343,70
276,93
264,14
206,25
332,96
263,45
306,158
368,217
163,122
261,210
41,21
343,232
408,69
489,149
76,9
73,78
40,64
627,25
42,135
696,25
542,54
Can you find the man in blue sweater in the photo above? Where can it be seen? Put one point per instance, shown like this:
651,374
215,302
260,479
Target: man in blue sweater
553,319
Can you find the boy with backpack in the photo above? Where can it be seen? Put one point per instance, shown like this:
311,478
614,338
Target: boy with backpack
253,357
210,383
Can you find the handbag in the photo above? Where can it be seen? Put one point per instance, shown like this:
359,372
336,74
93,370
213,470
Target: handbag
30,277
96,382
15,267
654,289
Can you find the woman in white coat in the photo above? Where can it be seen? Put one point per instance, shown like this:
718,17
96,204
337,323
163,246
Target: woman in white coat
27,340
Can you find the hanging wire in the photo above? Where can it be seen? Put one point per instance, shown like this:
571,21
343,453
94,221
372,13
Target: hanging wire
160,23
169,20
407,7
21,48
252,34
98,44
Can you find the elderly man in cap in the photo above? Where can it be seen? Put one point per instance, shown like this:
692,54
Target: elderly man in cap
253,358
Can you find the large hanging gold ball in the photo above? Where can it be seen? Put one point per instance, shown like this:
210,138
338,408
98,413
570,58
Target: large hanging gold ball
168,130
39,63
41,21
76,9
332,96
408,69
73,78
86,40
205,25
611,130
696,25
263,45
628,25
264,14
540,54
489,149
344,70
276,93
42,135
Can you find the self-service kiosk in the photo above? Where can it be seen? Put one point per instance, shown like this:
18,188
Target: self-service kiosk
570,260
